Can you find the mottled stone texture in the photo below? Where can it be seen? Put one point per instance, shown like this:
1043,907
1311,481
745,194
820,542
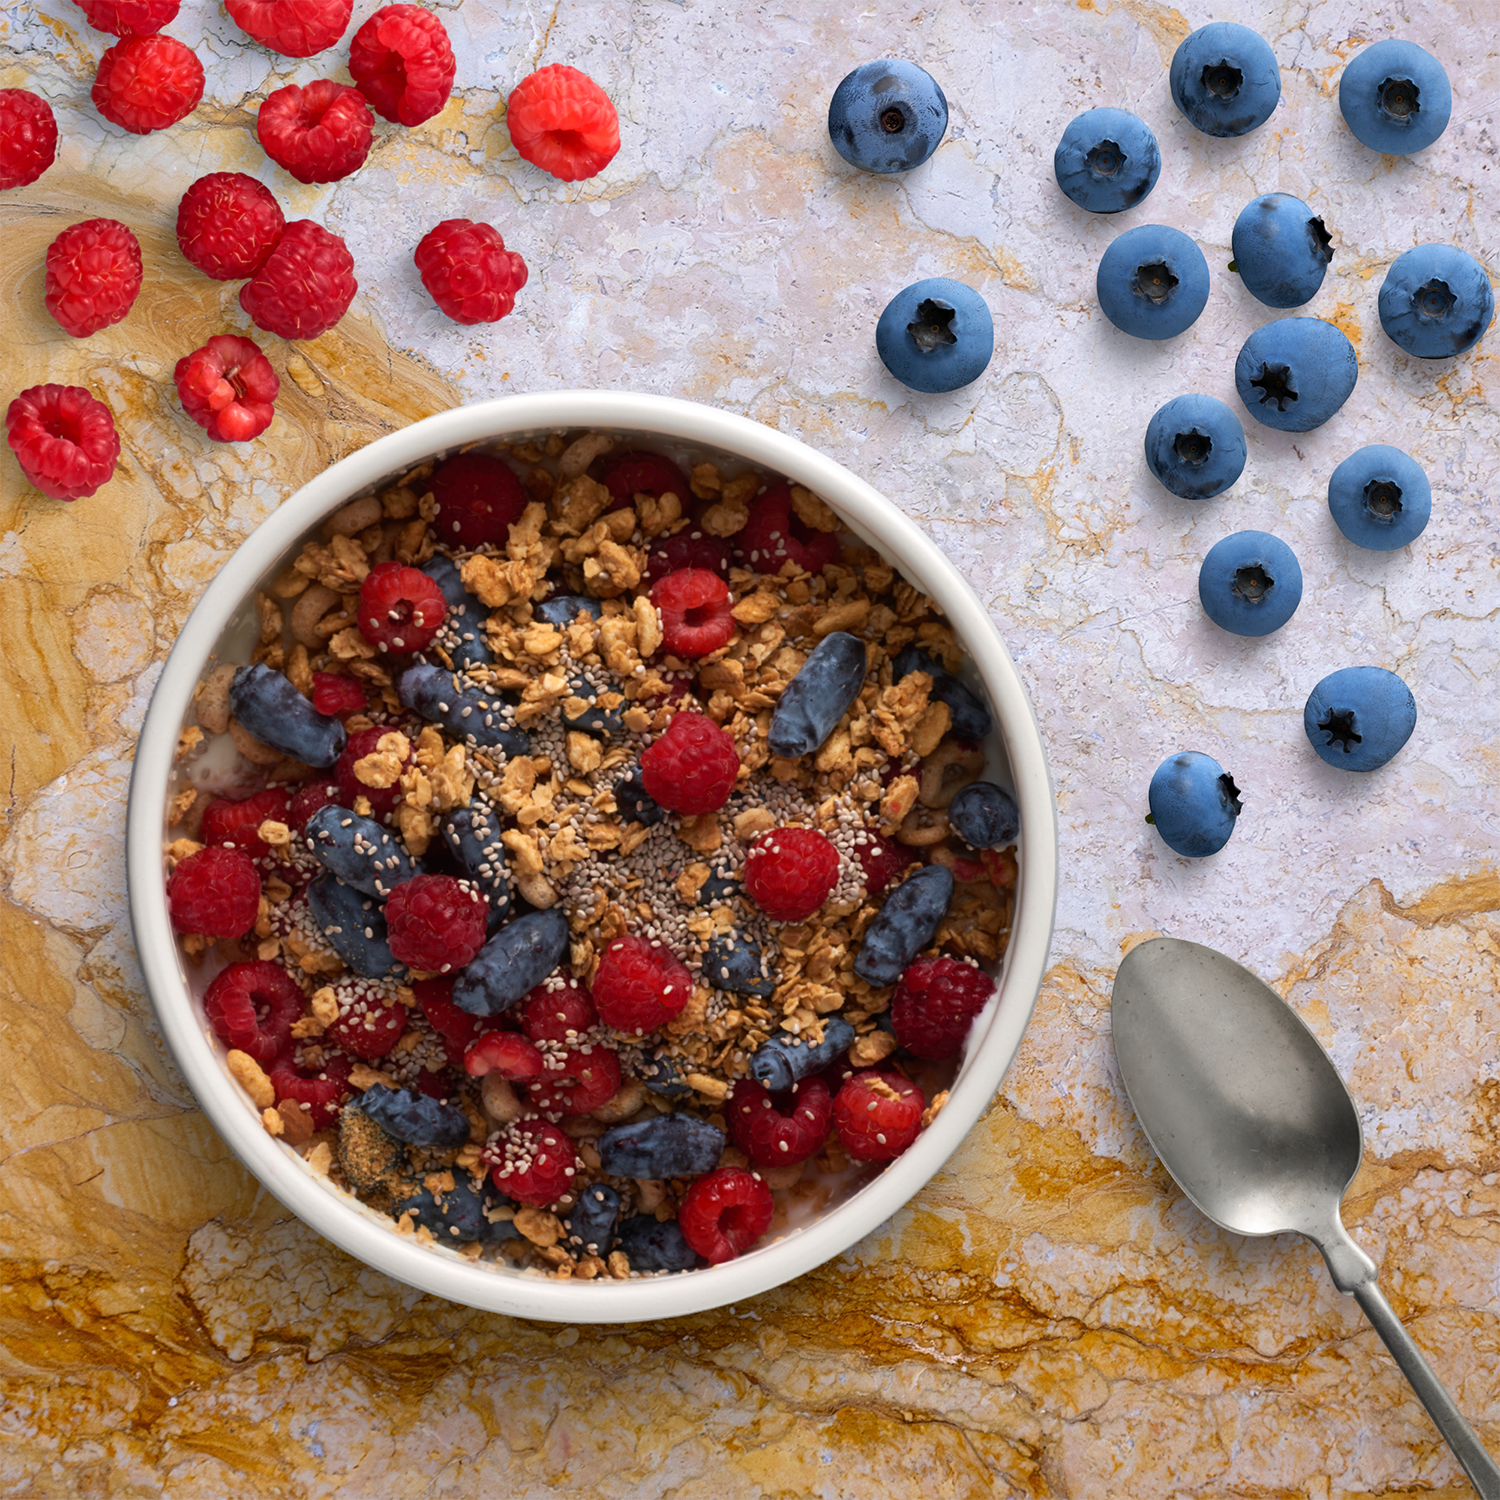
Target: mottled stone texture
1049,1318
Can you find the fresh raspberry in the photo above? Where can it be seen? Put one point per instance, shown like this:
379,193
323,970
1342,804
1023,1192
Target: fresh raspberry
319,1088
790,872
214,893
403,63
558,1012
724,1213
308,798
507,1053
478,497
531,1161
640,985
93,275
370,1021
878,1115
65,440
320,133
305,287
691,767
234,824
294,28
146,83
561,121
363,742
779,1130
335,695
692,547
28,137
251,1007
441,1084
881,859
935,1003
1000,866
400,608
129,17
456,1027
228,388
228,224
775,535
590,1076
468,271
635,473
695,617
436,922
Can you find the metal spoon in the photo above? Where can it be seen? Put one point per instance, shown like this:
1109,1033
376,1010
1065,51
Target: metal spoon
1247,1112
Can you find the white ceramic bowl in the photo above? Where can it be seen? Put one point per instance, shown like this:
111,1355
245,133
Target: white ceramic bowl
223,624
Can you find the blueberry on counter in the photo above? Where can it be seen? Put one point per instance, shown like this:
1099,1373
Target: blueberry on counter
985,816
1152,282
1380,498
462,635
969,715
905,924
818,695
465,712
512,963
360,851
1107,160
1194,803
1195,446
1436,301
591,1224
732,962
936,336
1395,97
887,116
675,1145
271,709
653,1246
1358,717
1281,250
783,1059
353,925
414,1118
1295,373
1224,78
1250,583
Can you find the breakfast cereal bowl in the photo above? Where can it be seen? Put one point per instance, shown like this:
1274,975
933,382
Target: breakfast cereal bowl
814,1222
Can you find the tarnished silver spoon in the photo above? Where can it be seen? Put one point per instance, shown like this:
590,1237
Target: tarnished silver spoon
1249,1115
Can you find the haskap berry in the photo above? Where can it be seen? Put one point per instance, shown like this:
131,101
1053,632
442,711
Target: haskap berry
791,872
561,121
64,440
93,275
640,984
252,1006
774,536
935,1003
779,1130
478,497
228,224
228,388
694,605
878,1115
147,83
724,1213
402,62
468,271
691,767
305,286
294,28
436,923
129,17
531,1161
320,133
28,137
400,608
214,893
237,824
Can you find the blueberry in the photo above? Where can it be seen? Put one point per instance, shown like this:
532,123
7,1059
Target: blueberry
675,1145
1281,250
272,710
969,716
1358,717
1224,79
517,959
360,851
415,1118
352,924
818,695
732,962
635,804
465,712
1380,498
653,1246
784,1058
591,1225
596,718
1295,373
1194,803
887,116
936,336
462,635
1107,160
456,1215
985,816
1195,446
562,609
904,925
1395,97
1152,282
663,1076
472,833
1250,583
1436,301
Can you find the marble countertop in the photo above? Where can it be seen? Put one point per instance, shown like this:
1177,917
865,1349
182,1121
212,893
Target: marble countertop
1049,1317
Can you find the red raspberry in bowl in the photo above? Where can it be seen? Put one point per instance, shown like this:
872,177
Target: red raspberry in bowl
478,496
93,275
333,694
147,83
561,121
215,893
305,286
695,609
228,224
790,872
692,547
468,271
436,922
638,473
531,1161
935,1003
234,824
507,1053
320,133
228,388
403,64
369,1022
775,535
400,608
129,17
309,797
320,1088
878,1115
640,984
691,767
294,28
779,1130
558,1011
64,440
590,1076
456,1027
363,742
28,137
251,1006
881,859
724,1213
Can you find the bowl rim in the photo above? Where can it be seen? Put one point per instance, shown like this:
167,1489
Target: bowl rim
442,1272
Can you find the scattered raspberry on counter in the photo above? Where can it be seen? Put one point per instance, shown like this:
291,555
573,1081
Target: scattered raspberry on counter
129,17
93,276
402,62
294,28
320,133
147,83
228,388
64,439
468,271
561,121
28,137
305,286
228,224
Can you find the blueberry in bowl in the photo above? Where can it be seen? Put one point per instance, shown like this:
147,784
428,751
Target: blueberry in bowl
1379,498
1225,79
1436,301
1294,374
1250,583
1107,160
1152,282
1358,717
1194,804
1195,446
1395,97
887,116
936,335
1281,250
